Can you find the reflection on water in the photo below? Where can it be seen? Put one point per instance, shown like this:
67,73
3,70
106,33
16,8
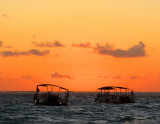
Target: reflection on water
18,107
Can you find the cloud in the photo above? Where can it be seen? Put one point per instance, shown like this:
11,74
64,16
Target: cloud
1,42
84,45
116,77
135,51
27,77
101,76
26,53
5,46
134,77
10,80
56,55
57,75
8,46
49,44
5,15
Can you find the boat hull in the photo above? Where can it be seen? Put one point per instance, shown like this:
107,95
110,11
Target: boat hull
50,100
115,99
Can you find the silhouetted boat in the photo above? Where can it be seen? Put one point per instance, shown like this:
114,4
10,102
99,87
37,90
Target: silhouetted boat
48,94
112,94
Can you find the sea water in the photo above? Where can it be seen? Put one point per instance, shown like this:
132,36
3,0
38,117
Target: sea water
18,107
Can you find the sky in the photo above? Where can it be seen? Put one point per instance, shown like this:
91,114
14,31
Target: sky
80,44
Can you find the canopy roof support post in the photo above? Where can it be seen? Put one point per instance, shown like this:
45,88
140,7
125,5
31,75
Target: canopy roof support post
116,92
59,91
126,90
37,90
101,92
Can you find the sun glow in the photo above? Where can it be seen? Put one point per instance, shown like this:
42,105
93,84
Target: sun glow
80,45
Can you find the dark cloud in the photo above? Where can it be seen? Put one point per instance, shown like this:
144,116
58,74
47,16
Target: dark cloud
26,53
34,37
27,77
56,55
57,75
134,77
37,52
1,42
116,77
135,51
10,80
101,76
5,46
5,15
8,46
49,44
84,45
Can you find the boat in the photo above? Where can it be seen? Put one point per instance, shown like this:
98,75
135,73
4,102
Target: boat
113,94
48,94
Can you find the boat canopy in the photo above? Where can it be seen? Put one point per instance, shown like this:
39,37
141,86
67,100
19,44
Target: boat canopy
122,88
111,88
46,85
106,88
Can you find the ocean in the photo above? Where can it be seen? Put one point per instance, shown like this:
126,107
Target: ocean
18,108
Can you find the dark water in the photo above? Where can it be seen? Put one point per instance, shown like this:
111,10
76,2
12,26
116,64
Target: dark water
18,107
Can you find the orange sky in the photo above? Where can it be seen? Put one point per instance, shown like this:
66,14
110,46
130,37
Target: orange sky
80,45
